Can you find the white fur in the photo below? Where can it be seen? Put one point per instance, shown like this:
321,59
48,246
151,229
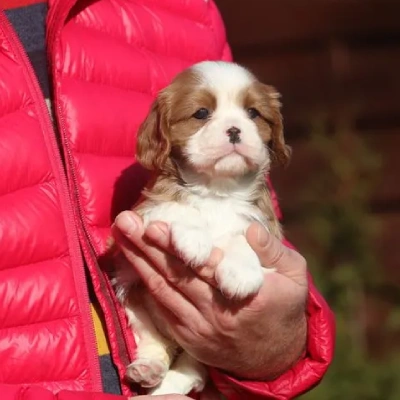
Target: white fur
187,374
227,79
208,149
216,212
215,217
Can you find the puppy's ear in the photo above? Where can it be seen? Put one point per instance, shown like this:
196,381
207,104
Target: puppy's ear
153,143
280,151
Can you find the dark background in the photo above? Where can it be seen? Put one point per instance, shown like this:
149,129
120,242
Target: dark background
337,65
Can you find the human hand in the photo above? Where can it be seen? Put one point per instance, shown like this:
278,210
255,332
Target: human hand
256,339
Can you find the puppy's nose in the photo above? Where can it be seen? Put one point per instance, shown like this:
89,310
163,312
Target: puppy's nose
234,134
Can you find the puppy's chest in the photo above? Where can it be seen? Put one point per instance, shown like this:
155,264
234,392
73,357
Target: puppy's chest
218,216
225,216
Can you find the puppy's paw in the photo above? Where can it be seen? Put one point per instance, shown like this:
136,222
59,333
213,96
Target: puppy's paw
146,372
168,386
164,389
239,277
178,383
192,243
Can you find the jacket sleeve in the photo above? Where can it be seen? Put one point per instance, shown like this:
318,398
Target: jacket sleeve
308,372
23,392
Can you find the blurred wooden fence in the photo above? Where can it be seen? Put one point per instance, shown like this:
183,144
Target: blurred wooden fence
340,57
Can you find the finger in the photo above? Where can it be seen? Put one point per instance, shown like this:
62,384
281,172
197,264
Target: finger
179,313
157,285
160,235
273,253
172,270
169,266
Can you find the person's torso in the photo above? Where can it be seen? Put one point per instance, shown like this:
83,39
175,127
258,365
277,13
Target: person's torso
108,59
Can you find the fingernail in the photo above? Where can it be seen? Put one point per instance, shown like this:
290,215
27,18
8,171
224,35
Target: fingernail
126,223
262,237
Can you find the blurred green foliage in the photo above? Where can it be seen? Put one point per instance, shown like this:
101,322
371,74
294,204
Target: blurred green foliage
342,257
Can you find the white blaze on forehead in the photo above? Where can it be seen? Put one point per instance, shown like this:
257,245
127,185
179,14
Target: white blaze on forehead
223,77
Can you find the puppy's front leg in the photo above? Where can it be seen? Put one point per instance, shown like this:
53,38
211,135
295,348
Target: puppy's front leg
240,273
190,237
189,233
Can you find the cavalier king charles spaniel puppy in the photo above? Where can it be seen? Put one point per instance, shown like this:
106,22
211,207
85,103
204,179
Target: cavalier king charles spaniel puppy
209,139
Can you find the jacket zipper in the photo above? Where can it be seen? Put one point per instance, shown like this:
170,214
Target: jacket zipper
121,354
62,187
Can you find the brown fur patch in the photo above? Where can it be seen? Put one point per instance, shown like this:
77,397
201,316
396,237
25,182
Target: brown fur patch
265,99
184,97
164,188
170,123
264,203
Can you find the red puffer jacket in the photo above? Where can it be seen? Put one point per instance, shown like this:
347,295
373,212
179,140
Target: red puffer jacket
108,59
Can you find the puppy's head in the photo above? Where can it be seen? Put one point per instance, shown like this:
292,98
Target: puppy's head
214,118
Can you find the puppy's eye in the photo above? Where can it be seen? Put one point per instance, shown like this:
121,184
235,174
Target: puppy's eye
253,113
201,113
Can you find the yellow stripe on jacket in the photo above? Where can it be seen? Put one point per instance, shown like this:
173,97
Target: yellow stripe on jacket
102,344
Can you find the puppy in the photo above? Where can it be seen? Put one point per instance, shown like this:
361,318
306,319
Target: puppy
210,138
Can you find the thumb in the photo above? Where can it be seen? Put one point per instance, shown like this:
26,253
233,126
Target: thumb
274,254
